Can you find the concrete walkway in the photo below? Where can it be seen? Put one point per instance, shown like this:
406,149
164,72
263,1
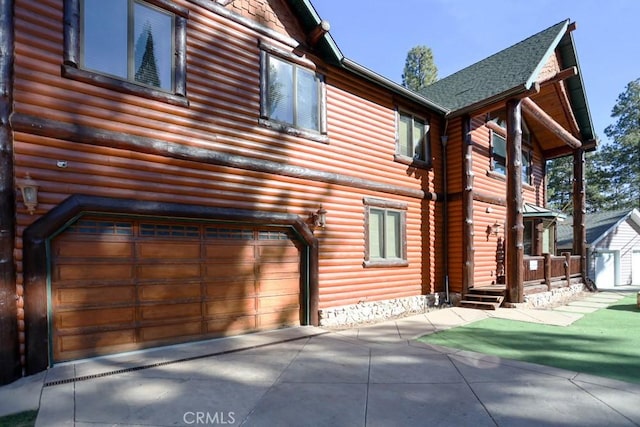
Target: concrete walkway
370,376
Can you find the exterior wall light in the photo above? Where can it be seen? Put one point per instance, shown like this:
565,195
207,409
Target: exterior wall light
319,217
29,189
494,229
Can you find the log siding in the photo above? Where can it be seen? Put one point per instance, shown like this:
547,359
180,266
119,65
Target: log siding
213,150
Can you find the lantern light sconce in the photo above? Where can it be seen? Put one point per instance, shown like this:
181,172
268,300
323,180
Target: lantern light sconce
319,217
493,229
29,189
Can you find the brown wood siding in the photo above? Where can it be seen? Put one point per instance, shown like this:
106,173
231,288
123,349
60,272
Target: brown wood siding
455,174
223,92
487,185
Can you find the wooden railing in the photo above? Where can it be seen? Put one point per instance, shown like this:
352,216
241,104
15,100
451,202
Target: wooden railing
548,269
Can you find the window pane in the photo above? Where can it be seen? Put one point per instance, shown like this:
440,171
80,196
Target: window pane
404,136
153,35
499,154
307,99
104,36
280,91
392,235
376,232
418,139
526,167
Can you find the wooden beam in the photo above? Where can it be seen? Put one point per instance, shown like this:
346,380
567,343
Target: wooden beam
10,298
515,219
572,27
539,115
566,107
320,30
579,210
467,203
560,76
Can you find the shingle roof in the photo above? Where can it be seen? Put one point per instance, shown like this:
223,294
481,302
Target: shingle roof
510,69
597,224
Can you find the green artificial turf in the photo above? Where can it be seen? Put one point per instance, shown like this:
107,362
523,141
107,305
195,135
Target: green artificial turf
604,343
22,419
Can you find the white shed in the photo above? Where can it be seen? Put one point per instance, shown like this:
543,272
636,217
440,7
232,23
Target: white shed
613,242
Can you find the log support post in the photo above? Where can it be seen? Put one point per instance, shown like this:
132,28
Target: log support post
547,271
9,342
579,210
467,203
515,220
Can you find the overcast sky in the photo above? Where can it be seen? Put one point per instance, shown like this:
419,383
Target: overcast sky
379,33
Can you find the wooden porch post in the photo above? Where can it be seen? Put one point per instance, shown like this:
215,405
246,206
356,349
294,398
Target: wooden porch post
467,203
515,223
9,340
579,211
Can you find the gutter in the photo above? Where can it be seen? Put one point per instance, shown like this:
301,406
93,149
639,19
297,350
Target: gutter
376,78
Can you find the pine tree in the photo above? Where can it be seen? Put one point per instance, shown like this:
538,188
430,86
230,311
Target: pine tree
147,72
419,69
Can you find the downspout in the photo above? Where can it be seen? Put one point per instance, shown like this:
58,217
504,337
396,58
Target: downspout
444,138
9,342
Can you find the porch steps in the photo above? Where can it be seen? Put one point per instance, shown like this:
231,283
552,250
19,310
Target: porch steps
486,298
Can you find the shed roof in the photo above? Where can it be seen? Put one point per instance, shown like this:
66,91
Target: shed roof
598,225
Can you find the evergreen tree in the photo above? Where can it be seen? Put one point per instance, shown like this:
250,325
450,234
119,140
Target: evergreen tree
623,155
147,71
419,69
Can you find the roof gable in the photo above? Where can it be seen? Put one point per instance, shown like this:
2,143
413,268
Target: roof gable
598,225
513,69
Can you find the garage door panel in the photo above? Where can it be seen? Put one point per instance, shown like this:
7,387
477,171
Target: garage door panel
110,271
168,270
125,285
170,311
99,249
95,317
232,325
278,253
169,292
279,286
282,269
230,251
290,317
231,306
175,330
279,302
230,289
170,250
83,296
224,271
93,342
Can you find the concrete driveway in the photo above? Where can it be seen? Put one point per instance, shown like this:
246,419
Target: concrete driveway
373,376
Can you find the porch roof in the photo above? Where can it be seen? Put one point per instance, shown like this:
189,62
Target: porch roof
515,71
533,211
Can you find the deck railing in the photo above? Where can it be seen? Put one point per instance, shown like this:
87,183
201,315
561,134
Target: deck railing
548,269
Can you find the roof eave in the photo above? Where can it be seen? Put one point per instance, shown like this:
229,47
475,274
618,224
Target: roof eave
374,77
518,91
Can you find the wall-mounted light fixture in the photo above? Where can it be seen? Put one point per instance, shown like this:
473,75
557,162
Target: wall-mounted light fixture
319,217
493,229
29,189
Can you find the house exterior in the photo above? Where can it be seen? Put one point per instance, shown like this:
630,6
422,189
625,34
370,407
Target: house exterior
208,168
613,245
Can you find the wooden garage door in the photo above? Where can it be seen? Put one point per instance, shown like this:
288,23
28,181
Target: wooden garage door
119,285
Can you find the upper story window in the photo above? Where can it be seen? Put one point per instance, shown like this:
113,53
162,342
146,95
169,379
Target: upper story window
499,150
292,98
412,140
129,45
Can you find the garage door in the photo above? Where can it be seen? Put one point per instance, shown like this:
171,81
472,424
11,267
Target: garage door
119,285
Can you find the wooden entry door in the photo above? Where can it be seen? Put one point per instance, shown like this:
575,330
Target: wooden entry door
120,285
